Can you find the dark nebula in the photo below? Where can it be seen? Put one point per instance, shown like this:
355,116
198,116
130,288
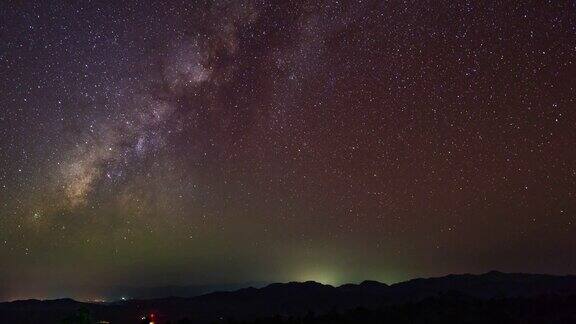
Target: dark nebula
160,143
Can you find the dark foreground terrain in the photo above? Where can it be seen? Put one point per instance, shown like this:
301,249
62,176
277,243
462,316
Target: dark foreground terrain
493,297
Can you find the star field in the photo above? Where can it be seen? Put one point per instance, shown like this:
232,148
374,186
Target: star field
182,142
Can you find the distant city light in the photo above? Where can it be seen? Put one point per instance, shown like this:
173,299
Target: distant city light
149,318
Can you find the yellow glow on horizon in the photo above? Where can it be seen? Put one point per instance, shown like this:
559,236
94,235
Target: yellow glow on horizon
322,276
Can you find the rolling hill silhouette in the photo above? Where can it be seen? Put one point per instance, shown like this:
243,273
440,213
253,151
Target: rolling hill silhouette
512,292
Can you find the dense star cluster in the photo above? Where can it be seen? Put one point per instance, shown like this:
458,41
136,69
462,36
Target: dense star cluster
196,142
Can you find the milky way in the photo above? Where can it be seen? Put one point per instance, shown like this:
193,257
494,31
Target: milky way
182,142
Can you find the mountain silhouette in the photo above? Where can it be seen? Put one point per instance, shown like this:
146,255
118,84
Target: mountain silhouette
300,299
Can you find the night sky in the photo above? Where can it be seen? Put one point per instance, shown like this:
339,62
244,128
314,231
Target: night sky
202,142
